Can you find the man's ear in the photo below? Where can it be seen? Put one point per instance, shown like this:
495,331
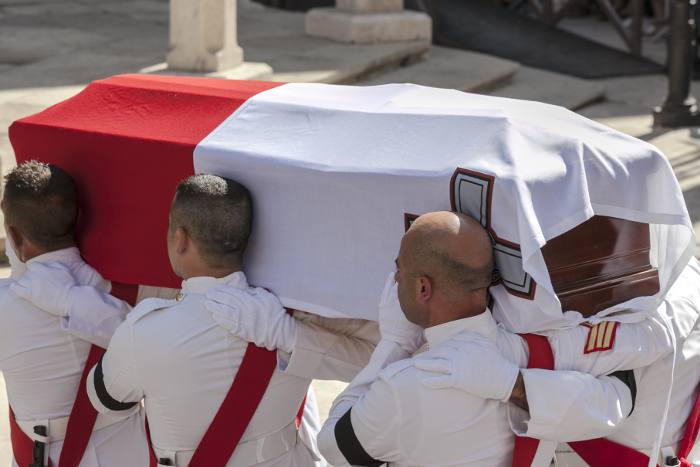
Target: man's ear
424,289
17,240
181,240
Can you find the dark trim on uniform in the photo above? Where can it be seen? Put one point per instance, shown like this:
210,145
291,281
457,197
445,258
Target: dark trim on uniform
627,377
105,398
350,446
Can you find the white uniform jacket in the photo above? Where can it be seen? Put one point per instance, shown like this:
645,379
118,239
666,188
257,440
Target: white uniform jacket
329,348
173,355
42,357
398,419
640,429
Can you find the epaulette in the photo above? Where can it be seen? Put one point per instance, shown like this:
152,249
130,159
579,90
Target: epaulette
601,336
148,305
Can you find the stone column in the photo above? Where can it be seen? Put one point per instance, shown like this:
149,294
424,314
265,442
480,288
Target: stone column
203,40
368,21
203,35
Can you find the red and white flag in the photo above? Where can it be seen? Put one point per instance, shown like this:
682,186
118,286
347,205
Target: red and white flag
337,172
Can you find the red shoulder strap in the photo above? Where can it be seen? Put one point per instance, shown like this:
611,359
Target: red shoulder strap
690,436
83,415
81,419
236,411
540,351
541,356
300,413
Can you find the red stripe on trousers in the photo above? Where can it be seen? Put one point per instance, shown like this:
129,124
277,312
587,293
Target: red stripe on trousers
22,445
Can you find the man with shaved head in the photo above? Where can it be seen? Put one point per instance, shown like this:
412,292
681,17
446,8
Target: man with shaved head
396,412
444,269
439,279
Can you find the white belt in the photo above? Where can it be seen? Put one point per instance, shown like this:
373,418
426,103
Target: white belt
247,453
56,427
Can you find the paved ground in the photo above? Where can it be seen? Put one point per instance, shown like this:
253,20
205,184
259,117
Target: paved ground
49,49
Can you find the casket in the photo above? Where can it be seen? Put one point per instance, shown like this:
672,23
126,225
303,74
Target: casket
601,263
584,220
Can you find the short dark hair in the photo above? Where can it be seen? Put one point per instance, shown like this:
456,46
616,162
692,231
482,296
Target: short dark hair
42,202
459,277
454,277
217,214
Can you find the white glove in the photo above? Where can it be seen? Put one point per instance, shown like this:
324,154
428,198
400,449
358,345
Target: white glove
47,286
393,324
254,315
471,363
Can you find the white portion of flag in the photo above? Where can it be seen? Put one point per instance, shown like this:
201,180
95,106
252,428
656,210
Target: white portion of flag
333,170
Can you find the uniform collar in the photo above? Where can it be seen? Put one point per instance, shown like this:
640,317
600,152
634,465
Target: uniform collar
202,284
68,256
483,324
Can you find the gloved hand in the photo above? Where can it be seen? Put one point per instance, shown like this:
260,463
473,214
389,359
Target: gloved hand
254,315
471,363
393,325
46,285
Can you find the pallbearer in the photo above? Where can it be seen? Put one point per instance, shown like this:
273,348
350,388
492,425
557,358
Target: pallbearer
210,399
44,347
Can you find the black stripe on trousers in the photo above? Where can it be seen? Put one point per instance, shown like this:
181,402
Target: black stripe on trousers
105,398
350,446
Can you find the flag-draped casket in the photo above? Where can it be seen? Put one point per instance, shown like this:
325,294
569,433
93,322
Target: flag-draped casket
338,172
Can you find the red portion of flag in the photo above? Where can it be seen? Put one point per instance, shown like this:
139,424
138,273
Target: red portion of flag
128,140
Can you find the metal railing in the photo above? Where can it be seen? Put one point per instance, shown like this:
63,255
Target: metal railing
551,12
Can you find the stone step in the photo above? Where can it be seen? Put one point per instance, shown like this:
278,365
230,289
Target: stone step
267,32
552,88
445,67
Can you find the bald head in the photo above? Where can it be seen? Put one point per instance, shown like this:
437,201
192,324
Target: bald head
453,249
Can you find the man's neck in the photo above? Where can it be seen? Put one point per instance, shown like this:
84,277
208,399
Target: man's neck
32,251
448,317
207,271
445,311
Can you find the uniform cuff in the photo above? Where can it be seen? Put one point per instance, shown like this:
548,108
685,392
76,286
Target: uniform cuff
546,409
518,419
85,331
302,362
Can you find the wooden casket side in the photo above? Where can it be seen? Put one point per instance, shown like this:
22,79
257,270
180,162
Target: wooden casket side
601,263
